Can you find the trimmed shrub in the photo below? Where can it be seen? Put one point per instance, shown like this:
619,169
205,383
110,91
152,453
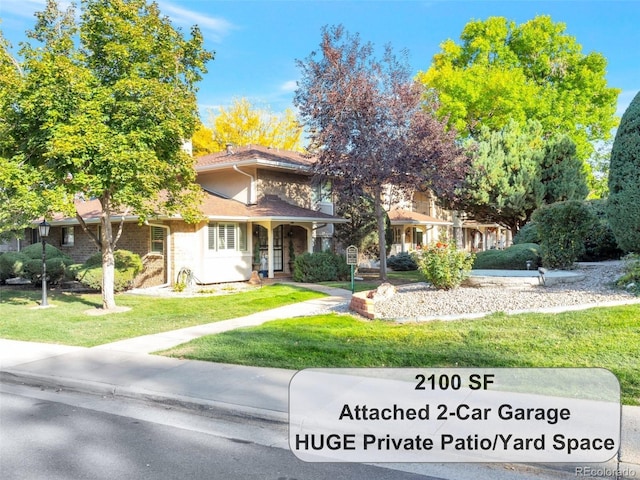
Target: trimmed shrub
623,206
527,234
443,265
57,263
56,269
563,226
124,259
600,242
320,267
513,258
12,265
127,267
402,262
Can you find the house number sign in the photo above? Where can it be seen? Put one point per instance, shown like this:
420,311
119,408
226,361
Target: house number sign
352,255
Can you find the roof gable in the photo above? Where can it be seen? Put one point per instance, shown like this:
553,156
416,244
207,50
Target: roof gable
255,155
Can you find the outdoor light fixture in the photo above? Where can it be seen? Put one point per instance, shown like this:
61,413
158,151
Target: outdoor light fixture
528,264
43,229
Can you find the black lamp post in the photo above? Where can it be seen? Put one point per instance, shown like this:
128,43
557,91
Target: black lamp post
43,229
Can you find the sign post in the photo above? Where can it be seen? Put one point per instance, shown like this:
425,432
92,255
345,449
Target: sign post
352,259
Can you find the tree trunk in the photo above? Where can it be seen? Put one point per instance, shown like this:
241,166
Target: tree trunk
108,261
382,241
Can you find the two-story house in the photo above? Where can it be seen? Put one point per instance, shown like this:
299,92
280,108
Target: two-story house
419,220
259,210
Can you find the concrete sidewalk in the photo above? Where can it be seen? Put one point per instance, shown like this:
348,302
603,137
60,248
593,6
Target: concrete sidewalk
127,369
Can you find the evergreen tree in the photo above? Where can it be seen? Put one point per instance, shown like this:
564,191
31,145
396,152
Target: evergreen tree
515,170
562,173
624,180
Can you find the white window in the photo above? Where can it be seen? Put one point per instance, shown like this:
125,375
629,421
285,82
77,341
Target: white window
67,237
322,193
227,236
157,240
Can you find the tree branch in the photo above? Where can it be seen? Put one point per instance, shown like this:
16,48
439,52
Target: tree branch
86,230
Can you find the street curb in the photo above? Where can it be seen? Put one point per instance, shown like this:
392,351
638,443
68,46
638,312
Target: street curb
233,412
220,409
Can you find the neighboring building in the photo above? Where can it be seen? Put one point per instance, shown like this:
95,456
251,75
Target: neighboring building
418,222
259,206
421,221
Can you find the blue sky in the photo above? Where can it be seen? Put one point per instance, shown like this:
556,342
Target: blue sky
257,42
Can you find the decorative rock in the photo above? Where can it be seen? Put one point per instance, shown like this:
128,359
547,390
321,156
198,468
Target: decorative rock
421,300
255,278
382,293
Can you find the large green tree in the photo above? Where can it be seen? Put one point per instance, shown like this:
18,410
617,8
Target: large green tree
104,105
515,170
502,71
623,206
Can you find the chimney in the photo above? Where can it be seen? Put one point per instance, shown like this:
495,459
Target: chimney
229,149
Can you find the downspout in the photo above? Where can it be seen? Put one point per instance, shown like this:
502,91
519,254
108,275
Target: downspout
252,188
168,252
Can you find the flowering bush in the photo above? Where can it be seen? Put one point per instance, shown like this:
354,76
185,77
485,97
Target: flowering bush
443,265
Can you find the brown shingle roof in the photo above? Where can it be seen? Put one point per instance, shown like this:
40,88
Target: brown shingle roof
404,217
255,154
269,207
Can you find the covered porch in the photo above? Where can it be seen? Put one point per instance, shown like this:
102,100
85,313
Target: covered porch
274,232
479,237
412,230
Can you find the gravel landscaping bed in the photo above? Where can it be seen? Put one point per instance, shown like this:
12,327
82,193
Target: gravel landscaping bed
421,301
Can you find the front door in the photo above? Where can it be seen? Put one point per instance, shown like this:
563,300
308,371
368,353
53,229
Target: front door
277,246
278,252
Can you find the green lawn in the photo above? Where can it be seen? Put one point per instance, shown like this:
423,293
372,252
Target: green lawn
371,281
603,337
68,324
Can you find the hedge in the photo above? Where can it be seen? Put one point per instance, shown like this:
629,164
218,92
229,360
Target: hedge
28,264
402,262
127,267
562,227
320,267
513,258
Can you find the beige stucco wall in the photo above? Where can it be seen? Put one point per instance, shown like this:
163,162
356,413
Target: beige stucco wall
230,183
184,246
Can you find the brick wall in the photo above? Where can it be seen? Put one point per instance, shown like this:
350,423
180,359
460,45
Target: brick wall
135,238
363,305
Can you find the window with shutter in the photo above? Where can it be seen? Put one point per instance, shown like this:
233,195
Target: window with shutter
157,240
212,236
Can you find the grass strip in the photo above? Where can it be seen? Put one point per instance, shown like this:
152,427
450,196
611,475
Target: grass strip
67,322
599,337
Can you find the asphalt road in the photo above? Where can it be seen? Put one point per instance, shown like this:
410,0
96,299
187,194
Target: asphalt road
102,438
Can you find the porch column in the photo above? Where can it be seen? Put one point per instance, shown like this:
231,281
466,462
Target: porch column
403,239
309,239
270,249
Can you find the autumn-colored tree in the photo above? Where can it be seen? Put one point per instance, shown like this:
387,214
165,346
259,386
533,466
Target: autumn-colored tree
502,71
245,124
368,125
102,110
202,141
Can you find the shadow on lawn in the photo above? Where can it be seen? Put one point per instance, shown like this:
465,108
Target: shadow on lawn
28,294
